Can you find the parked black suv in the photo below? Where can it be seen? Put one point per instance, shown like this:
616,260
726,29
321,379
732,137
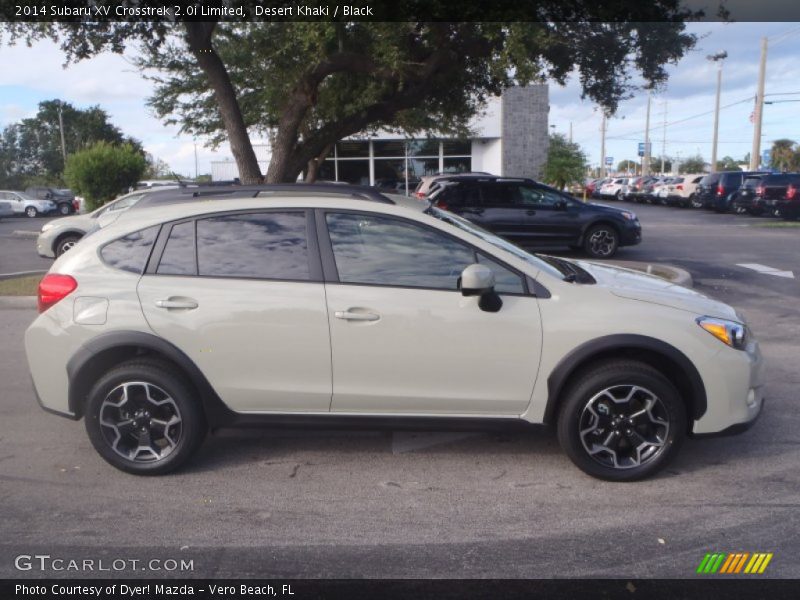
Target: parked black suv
533,214
717,191
760,195
64,199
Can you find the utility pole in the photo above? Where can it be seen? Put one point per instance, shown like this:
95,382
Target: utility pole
61,129
195,158
570,132
755,153
664,138
646,157
603,146
717,58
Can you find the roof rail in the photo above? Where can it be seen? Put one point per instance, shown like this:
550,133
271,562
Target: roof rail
189,194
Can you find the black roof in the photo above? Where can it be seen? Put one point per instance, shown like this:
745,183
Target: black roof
480,177
190,194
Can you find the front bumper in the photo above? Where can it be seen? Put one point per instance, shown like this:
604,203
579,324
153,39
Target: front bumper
44,246
631,235
734,383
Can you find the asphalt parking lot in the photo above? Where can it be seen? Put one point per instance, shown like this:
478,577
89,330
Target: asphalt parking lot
273,503
17,245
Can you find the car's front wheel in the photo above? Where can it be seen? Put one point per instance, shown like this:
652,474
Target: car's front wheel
601,241
144,419
621,420
66,243
31,212
695,201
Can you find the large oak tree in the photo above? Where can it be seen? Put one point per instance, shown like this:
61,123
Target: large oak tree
308,84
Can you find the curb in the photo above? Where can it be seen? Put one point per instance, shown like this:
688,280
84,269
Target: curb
17,302
671,273
21,274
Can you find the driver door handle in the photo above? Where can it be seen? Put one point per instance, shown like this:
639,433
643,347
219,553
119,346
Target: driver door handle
356,316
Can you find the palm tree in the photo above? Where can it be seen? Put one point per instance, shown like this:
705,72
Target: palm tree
783,153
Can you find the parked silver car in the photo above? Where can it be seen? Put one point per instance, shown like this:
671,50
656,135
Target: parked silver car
5,210
23,204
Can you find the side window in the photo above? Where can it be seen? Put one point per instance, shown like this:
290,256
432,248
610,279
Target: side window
130,253
178,257
538,196
125,202
506,282
501,194
268,245
698,179
370,249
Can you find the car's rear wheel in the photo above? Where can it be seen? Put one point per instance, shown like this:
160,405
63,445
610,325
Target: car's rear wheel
64,209
601,241
144,419
695,201
66,243
31,212
621,421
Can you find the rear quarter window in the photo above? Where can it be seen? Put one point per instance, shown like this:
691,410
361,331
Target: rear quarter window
130,253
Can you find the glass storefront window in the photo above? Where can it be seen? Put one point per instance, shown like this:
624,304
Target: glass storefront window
458,165
354,171
327,171
423,148
352,149
457,147
419,167
393,148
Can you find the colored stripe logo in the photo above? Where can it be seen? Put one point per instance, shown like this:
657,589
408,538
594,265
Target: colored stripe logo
734,563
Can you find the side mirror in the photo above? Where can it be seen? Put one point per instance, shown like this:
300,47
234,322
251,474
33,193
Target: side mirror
478,280
561,205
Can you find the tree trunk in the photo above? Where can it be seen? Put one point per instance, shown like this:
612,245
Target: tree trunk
198,37
315,163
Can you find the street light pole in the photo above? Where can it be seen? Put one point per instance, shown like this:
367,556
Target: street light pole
61,129
603,146
755,153
646,157
717,58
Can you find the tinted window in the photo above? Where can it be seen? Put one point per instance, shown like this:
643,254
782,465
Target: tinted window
130,253
505,281
500,194
384,251
777,180
178,257
710,179
461,194
538,196
258,245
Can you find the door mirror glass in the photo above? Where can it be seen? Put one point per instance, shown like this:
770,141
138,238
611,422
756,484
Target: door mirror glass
561,205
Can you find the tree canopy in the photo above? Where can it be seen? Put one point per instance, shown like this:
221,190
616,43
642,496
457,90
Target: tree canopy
102,171
566,162
693,164
785,155
30,150
306,85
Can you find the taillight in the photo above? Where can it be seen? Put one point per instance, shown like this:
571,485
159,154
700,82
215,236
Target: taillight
441,204
420,195
76,205
760,190
720,190
791,191
679,187
53,288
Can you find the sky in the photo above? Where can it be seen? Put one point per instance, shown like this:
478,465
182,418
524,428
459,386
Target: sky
31,75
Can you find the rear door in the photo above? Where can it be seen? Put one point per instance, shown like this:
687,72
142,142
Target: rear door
502,210
241,294
550,218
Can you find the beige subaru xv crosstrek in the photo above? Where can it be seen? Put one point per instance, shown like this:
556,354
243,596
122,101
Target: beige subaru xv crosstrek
296,308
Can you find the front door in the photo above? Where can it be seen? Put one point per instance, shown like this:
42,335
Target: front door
403,338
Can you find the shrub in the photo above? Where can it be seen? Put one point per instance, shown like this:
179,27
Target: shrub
103,171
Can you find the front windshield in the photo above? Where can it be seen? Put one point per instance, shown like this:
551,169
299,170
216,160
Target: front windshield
461,223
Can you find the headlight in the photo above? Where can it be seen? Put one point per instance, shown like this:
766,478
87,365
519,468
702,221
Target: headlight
47,226
628,215
729,332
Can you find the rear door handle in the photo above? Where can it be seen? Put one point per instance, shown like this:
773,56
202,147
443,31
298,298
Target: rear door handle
356,316
186,303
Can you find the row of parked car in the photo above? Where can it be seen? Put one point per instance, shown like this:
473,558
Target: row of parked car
743,192
37,201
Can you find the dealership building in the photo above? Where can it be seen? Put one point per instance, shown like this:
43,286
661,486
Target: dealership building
509,139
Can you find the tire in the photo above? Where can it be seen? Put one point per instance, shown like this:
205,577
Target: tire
64,209
601,241
133,395
618,195
66,243
695,201
600,441
31,212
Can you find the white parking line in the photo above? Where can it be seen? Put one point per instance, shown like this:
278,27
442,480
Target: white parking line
767,270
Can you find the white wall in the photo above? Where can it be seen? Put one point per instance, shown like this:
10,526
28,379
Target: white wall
487,155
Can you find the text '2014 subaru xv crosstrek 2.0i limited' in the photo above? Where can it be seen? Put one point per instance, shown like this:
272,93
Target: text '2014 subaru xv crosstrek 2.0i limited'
298,308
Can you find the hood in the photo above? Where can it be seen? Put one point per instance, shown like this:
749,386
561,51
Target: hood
635,285
606,208
80,222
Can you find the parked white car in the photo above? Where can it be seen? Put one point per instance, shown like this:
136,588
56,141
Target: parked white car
332,308
681,190
615,189
60,235
23,204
